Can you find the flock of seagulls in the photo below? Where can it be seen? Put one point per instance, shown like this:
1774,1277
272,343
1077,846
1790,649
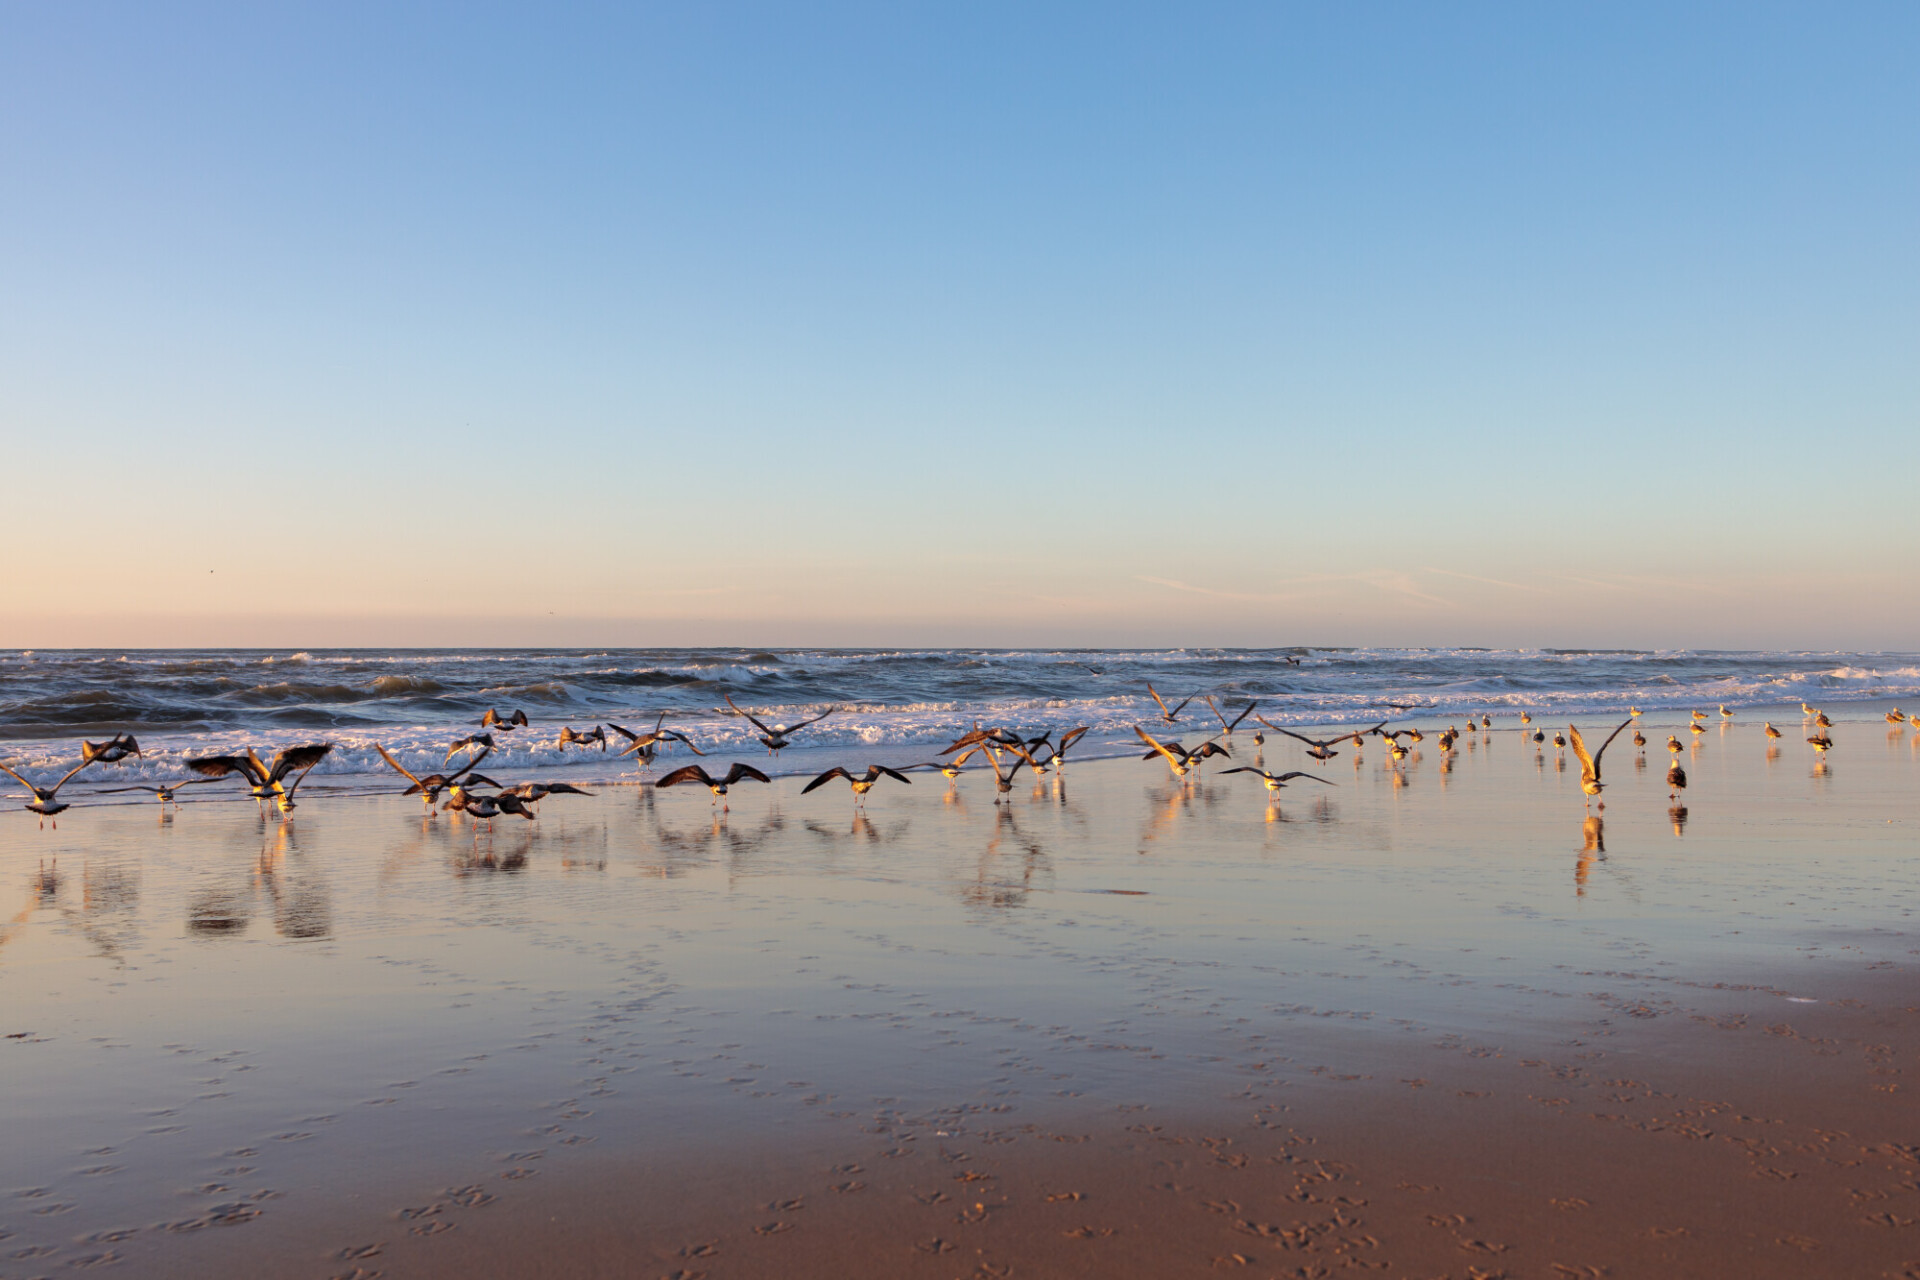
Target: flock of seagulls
1004,751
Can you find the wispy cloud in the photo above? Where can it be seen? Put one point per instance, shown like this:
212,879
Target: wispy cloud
1209,591
1474,577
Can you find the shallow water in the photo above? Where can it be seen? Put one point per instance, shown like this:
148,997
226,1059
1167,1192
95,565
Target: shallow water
218,1020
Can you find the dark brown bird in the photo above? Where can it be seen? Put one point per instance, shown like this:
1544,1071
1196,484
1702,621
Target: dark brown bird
1676,779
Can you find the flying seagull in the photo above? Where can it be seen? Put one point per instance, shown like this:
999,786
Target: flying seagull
1590,764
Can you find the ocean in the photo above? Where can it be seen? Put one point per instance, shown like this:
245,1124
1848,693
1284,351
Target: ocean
895,706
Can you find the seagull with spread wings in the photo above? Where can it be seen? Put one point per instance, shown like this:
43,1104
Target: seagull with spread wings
1275,781
1002,778
112,751
163,792
46,800
430,787
645,747
582,738
482,740
1321,749
1228,726
694,773
1178,758
506,724
264,782
1173,716
1057,755
1590,764
861,783
776,737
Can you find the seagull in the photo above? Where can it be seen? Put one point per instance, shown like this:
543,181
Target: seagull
951,769
694,773
1173,716
164,792
1057,756
1821,743
1635,712
112,751
1275,781
1820,718
1098,671
285,797
1773,732
471,740
1676,780
46,800
999,739
490,807
1486,722
582,737
1896,716
864,783
1539,736
777,735
1673,744
1559,740
1696,727
1227,727
645,746
1698,715
1002,780
263,782
1640,740
1177,761
1807,712
1526,717
506,724
1590,764
1724,713
1322,749
430,787
535,792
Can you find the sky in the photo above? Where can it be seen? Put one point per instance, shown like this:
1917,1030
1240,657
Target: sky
1505,324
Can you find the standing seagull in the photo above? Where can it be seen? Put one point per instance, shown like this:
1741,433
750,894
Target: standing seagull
1590,764
46,800
777,736
1676,780
694,773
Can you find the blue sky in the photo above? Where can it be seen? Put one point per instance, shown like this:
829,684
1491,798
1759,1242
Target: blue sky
982,324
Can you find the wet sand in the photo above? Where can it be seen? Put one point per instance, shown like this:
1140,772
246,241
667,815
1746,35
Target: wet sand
1435,1023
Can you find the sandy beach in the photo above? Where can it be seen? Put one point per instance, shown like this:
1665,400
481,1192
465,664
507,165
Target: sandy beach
1430,1021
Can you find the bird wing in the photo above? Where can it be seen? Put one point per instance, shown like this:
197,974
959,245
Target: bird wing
471,765
1297,773
1244,768
295,785
1208,699
965,740
479,780
795,728
835,772
1182,707
681,737
1603,747
1303,737
404,771
1244,713
565,789
1155,695
685,773
490,719
748,714
208,766
301,758
628,734
740,771
1070,737
1148,738
895,773
1589,772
